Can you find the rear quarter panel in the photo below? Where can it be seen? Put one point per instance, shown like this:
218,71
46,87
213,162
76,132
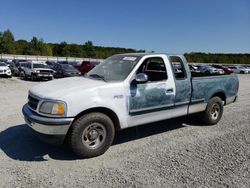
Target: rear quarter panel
205,87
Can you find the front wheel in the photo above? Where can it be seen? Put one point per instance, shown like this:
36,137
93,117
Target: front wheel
91,135
25,77
213,112
32,77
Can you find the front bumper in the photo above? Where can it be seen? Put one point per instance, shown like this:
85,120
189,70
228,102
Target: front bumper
42,75
6,73
51,130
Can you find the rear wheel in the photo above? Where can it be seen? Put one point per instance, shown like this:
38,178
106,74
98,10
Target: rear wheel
213,112
91,135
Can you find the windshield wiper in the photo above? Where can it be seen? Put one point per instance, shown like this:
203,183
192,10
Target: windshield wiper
98,76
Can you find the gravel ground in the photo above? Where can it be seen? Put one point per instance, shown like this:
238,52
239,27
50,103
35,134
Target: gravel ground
173,153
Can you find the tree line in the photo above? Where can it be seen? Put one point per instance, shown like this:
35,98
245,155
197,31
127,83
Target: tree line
8,45
218,58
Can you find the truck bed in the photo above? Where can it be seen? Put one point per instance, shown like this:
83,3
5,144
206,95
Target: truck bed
204,87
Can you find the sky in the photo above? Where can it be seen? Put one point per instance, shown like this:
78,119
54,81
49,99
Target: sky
171,26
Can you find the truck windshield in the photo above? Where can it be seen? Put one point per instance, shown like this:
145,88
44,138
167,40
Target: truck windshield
115,68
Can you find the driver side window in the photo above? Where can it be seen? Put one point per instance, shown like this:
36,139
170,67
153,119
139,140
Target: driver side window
154,68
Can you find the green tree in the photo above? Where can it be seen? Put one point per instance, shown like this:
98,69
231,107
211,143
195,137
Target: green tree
23,47
7,42
38,47
75,50
63,49
89,49
1,42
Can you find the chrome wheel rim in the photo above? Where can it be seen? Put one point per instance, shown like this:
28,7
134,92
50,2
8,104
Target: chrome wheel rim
94,135
215,111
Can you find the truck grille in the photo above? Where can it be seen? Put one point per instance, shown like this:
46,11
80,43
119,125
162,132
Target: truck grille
45,72
32,102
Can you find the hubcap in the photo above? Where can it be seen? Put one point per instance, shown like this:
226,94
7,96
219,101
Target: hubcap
215,111
94,135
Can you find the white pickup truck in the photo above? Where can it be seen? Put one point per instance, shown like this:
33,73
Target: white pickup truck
125,90
36,71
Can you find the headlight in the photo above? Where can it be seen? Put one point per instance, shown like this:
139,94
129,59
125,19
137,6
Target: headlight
37,71
53,108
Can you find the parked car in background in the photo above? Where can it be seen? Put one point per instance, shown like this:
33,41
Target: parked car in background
239,69
50,64
73,63
194,70
20,64
207,69
246,67
17,62
86,66
227,70
5,70
36,71
14,70
4,60
65,70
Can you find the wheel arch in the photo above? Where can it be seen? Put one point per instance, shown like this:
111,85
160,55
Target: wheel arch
221,95
110,113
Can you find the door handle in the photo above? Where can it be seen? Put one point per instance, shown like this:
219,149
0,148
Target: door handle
170,90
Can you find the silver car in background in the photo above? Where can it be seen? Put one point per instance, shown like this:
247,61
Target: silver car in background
5,70
207,69
240,69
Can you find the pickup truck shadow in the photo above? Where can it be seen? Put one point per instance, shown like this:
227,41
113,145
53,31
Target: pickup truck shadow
18,142
150,129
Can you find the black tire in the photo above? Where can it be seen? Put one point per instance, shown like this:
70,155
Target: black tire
242,72
93,124
25,77
32,77
213,112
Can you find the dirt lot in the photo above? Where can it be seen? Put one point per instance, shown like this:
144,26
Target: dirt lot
175,153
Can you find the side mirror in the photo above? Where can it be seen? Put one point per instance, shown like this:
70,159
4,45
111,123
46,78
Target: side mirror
141,78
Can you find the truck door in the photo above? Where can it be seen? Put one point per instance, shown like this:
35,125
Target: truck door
182,84
157,94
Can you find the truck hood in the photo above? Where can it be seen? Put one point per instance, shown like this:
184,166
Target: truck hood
57,89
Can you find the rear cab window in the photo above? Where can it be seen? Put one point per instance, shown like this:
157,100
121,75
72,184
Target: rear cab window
178,67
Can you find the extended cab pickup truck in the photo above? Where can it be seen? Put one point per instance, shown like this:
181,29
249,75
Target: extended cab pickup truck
125,90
